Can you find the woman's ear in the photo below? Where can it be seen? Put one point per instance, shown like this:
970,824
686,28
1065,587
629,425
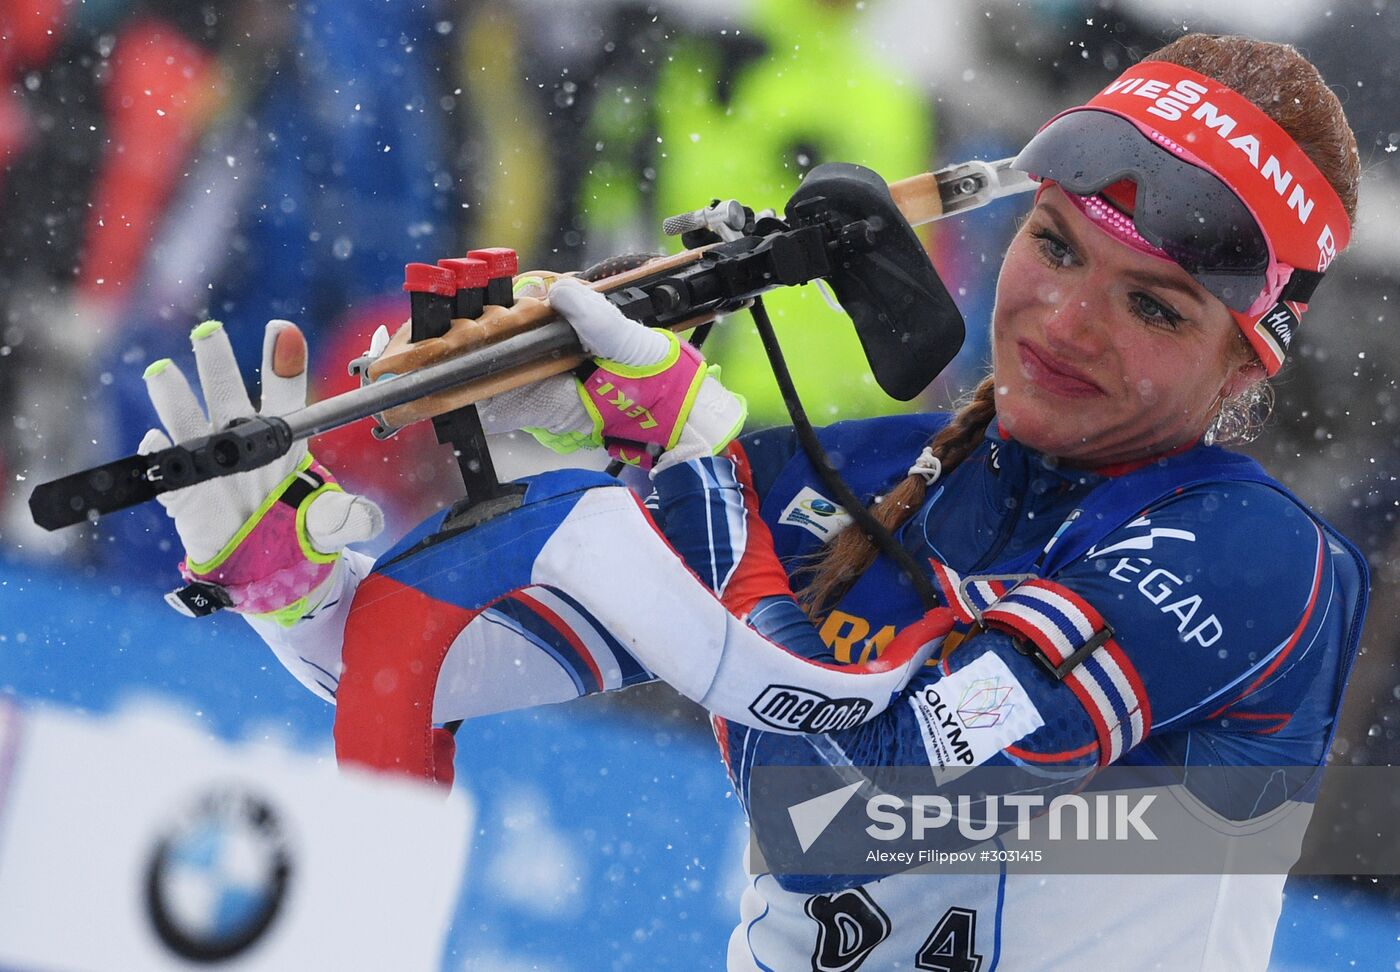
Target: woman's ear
1249,373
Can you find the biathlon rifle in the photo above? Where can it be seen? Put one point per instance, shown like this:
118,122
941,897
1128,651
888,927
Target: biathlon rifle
468,339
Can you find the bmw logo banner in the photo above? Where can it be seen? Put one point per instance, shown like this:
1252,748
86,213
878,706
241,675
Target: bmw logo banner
138,842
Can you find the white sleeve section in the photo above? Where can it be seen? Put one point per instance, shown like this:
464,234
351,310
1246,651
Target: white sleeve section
310,649
607,556
493,666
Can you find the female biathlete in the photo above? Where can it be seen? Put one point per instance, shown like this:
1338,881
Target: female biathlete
1137,594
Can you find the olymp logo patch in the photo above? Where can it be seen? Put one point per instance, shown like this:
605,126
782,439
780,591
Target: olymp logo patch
971,715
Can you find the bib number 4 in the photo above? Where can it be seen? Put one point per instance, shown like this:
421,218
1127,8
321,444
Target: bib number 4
850,925
949,947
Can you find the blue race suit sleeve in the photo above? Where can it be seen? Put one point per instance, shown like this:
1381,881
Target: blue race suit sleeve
1211,596
708,510
1210,599
1201,603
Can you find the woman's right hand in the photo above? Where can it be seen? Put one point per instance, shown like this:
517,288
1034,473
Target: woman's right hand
261,541
668,398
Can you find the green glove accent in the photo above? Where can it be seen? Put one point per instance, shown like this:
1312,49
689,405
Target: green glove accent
566,442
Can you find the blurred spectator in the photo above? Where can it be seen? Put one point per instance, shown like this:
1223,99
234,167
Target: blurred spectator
103,108
333,168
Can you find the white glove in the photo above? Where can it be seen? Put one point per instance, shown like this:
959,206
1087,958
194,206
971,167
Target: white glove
208,516
602,329
717,413
555,410
550,409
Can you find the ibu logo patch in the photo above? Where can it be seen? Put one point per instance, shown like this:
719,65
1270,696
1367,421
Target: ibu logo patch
815,513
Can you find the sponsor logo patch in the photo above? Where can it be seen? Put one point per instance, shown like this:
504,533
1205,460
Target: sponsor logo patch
1143,541
801,710
814,513
971,715
1278,326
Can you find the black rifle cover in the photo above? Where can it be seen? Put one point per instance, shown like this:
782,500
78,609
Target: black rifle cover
908,325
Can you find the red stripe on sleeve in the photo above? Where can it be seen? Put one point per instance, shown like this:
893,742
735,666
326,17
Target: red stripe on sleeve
948,585
759,574
1297,633
557,623
384,705
721,729
1277,719
1101,729
1130,672
1026,629
1063,755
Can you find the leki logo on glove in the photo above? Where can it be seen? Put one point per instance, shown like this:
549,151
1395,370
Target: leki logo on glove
627,406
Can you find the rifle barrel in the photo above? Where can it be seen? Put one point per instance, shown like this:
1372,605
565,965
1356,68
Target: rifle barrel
553,339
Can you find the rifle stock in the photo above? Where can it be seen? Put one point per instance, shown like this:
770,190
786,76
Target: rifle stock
471,392
496,324
921,199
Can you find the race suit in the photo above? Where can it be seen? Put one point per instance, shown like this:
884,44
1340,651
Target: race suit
1224,616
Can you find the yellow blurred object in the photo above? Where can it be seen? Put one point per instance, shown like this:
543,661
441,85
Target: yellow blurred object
809,93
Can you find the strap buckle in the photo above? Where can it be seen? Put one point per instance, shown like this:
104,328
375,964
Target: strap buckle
306,482
1076,658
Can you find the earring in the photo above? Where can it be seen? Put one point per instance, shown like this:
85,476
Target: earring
1212,431
1240,419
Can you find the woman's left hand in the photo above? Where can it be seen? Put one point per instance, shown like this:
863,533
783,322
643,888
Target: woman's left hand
267,537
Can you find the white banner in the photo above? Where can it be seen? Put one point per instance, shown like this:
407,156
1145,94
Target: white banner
136,842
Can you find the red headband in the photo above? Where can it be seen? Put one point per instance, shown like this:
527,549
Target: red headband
1297,208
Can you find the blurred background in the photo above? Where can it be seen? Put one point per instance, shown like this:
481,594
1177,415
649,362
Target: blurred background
164,162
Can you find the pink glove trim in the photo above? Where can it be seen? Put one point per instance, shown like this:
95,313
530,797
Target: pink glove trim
270,567
638,410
